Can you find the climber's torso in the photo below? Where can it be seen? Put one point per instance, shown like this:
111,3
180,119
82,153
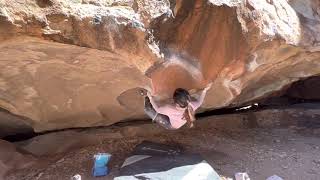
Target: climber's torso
175,114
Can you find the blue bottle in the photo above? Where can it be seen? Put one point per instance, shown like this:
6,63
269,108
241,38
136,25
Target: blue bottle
100,164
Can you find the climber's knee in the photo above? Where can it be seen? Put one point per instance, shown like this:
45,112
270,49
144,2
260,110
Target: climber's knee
163,121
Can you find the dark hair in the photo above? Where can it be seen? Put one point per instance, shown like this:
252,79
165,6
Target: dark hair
181,97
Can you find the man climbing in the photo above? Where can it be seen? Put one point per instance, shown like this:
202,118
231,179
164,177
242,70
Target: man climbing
176,114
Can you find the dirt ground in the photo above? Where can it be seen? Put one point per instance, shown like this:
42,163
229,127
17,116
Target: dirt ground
290,153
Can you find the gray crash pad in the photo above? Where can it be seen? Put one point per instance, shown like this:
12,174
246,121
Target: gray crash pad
162,162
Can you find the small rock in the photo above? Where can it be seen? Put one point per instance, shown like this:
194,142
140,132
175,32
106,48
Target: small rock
312,171
60,161
277,141
39,175
242,176
317,162
76,177
283,155
225,178
274,177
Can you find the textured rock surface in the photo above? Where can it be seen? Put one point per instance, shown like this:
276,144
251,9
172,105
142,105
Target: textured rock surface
11,124
60,86
79,63
248,48
304,115
307,89
11,158
56,143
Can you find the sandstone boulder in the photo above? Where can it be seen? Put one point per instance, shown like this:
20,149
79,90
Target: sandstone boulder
12,158
11,124
79,63
57,143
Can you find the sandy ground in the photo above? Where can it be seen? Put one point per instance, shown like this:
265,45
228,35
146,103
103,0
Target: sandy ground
290,153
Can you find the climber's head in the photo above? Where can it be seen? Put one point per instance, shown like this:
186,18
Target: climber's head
181,97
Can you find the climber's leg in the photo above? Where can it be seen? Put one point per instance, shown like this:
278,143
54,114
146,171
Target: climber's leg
160,119
148,108
163,121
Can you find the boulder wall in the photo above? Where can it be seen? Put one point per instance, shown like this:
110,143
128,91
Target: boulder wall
81,63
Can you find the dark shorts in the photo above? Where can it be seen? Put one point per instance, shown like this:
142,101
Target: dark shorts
161,119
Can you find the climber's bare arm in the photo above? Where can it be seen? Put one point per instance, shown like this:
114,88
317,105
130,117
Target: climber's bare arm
191,116
197,103
154,104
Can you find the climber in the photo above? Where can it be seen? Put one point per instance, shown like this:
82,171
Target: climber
176,114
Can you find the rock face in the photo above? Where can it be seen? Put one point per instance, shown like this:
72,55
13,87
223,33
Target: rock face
56,143
12,158
11,125
81,63
307,89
